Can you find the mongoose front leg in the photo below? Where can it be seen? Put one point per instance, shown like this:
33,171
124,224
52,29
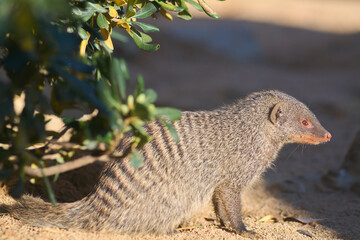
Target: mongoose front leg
227,204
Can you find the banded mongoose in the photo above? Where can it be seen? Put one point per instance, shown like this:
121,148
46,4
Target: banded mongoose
219,154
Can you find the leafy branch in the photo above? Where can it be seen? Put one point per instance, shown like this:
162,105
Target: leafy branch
57,57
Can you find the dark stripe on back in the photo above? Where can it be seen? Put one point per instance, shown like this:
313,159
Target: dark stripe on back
123,179
182,136
168,141
189,122
133,177
159,150
151,159
154,174
203,131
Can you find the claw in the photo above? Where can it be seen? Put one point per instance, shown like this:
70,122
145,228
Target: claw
250,234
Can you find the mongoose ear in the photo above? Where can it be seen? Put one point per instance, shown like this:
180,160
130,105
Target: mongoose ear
275,113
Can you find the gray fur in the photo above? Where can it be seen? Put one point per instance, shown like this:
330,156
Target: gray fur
219,154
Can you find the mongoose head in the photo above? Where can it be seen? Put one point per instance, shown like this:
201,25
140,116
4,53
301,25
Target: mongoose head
296,123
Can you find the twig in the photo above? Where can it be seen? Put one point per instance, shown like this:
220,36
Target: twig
64,167
108,155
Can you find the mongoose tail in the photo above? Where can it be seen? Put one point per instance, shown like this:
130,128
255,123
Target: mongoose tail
36,212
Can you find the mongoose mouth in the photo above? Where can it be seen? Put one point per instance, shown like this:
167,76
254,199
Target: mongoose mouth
311,139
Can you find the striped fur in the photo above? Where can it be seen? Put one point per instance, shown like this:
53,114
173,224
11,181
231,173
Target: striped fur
220,153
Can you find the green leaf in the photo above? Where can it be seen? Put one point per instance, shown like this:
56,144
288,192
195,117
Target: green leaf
195,5
97,7
140,86
119,36
124,69
171,113
130,12
146,11
60,159
138,125
90,144
140,43
206,8
147,27
151,96
56,177
116,120
107,138
101,21
145,38
118,80
85,14
80,88
105,94
136,160
69,120
82,33
142,112
141,140
49,190
171,129
184,14
169,7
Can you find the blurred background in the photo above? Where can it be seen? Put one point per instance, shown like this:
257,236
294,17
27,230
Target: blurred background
309,49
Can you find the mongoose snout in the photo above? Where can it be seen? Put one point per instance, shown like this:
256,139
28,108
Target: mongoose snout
311,139
327,137
219,154
312,133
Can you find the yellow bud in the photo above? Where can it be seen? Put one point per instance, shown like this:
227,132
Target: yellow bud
151,109
141,98
130,102
124,109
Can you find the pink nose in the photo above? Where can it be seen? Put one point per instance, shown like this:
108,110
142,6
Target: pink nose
328,136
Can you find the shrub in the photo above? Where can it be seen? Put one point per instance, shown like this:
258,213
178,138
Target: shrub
66,47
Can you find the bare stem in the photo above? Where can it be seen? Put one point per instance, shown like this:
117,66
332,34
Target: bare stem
64,167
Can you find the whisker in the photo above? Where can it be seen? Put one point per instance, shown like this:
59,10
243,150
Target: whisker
293,151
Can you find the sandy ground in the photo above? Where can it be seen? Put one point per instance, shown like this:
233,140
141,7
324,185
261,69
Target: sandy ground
203,64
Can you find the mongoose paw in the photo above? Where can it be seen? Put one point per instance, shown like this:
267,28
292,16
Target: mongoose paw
249,234
244,233
241,230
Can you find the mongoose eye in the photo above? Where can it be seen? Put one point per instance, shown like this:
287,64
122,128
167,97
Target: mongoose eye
306,123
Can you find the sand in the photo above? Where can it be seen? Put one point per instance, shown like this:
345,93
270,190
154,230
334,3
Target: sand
309,49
